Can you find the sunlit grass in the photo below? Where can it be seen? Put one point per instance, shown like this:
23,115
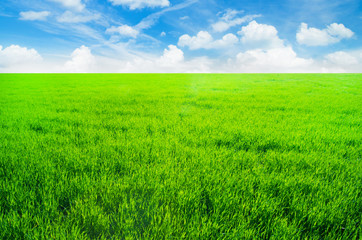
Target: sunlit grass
180,156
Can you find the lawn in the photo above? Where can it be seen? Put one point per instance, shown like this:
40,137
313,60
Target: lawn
180,156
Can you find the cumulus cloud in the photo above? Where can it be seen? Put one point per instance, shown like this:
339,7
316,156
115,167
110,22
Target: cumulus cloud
172,55
204,40
172,61
334,33
342,61
33,16
18,59
139,4
15,54
275,60
341,58
282,59
82,61
70,17
123,30
229,19
227,41
339,30
267,52
257,35
76,5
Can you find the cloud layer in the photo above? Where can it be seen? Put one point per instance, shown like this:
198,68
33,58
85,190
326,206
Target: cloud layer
123,30
139,4
153,36
32,16
273,60
70,17
76,5
230,19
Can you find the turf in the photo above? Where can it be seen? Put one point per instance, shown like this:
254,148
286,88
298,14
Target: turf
180,156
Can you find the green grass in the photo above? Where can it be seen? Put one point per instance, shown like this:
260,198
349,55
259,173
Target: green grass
179,156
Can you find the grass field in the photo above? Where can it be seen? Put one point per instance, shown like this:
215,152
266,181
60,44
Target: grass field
177,156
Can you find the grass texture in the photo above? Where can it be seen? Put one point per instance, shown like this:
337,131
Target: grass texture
180,156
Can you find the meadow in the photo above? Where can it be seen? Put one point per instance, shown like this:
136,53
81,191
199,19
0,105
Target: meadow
180,156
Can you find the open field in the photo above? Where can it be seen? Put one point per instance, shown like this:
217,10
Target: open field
179,156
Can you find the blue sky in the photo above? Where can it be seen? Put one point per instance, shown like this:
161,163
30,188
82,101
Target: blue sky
180,36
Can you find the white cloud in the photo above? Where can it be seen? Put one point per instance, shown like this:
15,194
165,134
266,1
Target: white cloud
172,55
184,18
230,14
32,16
17,59
282,59
151,19
172,61
334,33
76,5
139,4
339,31
342,61
314,36
82,61
204,40
123,30
70,17
227,41
276,60
341,58
220,26
229,20
15,54
257,35
267,52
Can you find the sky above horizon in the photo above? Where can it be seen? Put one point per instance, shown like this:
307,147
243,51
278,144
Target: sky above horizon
180,36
